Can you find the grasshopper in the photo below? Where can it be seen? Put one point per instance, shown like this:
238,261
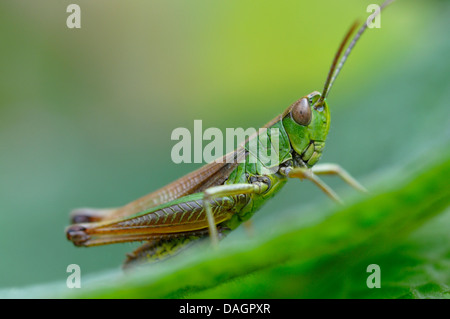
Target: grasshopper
218,197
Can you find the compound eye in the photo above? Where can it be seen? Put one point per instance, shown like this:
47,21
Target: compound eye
301,112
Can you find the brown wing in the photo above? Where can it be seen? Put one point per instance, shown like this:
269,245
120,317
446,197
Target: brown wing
211,174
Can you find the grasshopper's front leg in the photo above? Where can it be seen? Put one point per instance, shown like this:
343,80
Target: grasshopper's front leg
324,169
334,169
227,190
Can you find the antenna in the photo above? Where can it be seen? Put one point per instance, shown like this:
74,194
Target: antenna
334,70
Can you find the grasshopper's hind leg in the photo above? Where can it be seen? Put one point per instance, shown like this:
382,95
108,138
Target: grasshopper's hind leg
227,190
161,249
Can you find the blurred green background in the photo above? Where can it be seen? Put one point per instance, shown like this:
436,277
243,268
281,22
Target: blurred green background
86,115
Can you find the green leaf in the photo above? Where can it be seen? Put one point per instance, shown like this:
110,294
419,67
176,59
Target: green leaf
326,257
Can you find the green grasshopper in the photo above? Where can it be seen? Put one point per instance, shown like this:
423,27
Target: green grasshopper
221,195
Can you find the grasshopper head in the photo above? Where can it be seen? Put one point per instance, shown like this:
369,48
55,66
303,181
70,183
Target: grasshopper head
307,122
